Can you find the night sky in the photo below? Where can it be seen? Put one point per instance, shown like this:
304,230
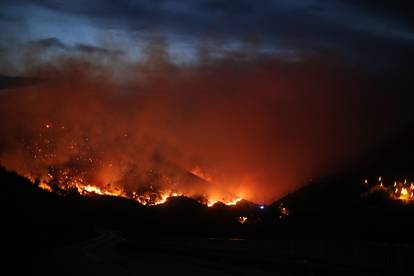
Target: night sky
366,33
261,96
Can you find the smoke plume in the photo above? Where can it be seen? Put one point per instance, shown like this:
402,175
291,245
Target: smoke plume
250,126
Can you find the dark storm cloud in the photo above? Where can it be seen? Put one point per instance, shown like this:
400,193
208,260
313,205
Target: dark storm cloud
268,18
88,49
48,43
228,7
8,18
403,9
104,8
54,43
363,32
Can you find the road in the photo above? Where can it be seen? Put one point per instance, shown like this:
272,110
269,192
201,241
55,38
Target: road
111,254
98,257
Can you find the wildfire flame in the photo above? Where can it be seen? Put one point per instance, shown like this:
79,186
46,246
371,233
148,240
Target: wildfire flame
153,198
198,171
45,186
234,201
402,190
211,202
148,198
283,211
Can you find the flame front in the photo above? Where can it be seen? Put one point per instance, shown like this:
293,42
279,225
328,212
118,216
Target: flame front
148,198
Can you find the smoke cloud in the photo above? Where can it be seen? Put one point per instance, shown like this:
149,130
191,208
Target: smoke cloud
256,126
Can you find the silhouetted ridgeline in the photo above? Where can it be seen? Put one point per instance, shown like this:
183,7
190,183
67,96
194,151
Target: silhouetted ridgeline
34,217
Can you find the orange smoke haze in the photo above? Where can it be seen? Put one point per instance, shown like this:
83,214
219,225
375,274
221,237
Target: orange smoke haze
251,128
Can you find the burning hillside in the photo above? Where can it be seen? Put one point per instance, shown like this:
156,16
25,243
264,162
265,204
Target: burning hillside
62,182
209,131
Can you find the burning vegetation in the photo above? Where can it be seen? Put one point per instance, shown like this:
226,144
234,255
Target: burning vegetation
401,190
284,212
149,196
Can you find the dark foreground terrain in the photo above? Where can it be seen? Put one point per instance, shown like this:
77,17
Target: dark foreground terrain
53,234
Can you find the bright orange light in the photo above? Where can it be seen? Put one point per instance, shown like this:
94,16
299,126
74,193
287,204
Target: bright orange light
198,171
234,201
211,202
45,186
399,190
65,182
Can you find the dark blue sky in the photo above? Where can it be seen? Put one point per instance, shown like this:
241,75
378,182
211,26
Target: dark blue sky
369,33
